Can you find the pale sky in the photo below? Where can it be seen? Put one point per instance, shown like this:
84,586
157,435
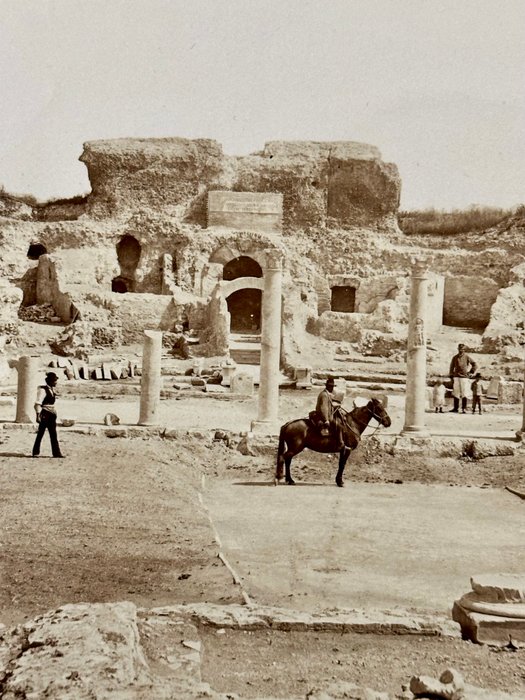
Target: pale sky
436,85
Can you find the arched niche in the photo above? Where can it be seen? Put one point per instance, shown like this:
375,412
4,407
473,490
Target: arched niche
241,266
129,251
35,250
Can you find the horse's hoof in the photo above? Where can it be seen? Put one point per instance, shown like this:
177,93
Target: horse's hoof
341,484
276,482
290,482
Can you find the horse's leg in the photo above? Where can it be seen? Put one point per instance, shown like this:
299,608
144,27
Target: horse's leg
288,456
281,449
343,456
288,463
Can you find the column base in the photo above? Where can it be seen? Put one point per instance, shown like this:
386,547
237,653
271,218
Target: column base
520,434
266,427
415,431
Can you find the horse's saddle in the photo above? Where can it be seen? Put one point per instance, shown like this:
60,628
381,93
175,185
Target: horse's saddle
317,421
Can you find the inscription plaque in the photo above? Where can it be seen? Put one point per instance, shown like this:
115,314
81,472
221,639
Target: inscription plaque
246,211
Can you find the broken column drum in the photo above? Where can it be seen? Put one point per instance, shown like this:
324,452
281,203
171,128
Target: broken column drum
151,379
270,338
416,382
26,390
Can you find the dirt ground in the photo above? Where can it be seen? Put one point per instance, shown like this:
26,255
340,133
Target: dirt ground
120,520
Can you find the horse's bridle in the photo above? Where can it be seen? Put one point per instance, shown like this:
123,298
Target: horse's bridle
373,414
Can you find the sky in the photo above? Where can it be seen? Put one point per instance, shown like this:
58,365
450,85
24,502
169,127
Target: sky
436,85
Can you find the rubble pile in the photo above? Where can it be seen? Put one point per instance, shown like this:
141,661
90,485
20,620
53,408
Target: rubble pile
117,369
38,313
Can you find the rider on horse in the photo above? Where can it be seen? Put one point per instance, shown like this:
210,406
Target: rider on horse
325,408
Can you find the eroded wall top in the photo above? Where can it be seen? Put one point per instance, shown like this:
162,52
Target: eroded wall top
323,183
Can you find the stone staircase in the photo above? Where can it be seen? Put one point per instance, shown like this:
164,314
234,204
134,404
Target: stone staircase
245,348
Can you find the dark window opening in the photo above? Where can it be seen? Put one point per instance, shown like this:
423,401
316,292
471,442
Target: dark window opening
245,310
121,285
128,254
243,266
36,250
343,299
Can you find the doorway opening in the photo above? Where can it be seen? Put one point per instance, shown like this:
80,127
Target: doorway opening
244,306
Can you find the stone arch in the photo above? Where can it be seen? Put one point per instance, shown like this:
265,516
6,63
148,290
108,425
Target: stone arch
129,251
241,266
235,285
228,252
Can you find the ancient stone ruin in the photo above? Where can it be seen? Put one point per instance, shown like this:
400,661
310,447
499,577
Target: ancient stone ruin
173,237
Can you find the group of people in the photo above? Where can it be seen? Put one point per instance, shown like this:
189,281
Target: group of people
466,382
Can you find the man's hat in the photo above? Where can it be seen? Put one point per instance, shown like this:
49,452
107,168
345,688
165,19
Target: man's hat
461,346
51,376
330,381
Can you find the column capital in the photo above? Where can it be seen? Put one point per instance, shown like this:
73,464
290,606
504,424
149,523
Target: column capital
274,258
420,266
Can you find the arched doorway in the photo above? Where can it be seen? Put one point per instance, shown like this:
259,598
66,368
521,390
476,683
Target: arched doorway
128,254
244,306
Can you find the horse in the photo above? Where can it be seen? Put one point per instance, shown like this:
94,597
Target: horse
297,434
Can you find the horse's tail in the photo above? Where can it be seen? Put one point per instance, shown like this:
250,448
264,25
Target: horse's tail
281,449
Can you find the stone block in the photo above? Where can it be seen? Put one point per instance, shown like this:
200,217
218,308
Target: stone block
488,629
242,383
303,377
228,369
493,387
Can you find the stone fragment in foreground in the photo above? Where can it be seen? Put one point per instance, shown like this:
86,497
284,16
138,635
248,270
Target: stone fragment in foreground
494,611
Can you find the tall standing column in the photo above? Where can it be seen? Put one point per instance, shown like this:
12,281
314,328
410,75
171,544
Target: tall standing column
521,432
270,342
416,384
27,368
150,382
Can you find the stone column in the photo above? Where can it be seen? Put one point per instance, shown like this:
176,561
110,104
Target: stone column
267,417
27,368
416,383
521,432
150,382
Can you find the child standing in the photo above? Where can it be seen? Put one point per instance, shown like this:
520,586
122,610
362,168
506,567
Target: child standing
478,388
438,396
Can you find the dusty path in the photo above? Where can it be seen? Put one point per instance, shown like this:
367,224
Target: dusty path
116,520
371,546
121,520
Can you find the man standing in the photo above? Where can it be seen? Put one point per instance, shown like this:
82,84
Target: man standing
461,368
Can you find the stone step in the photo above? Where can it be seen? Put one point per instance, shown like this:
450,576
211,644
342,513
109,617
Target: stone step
246,356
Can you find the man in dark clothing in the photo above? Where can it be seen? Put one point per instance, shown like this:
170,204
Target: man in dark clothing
325,406
462,367
46,415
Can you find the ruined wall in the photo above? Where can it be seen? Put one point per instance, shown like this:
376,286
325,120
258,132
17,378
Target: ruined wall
137,312
506,325
345,183
468,301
